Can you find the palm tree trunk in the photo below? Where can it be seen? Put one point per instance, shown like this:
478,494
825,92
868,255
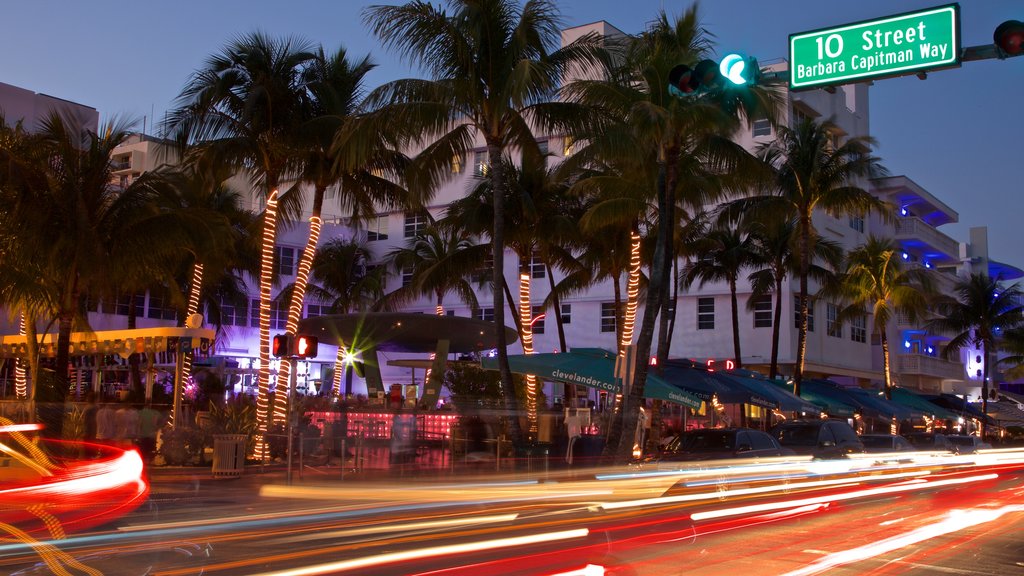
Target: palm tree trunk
568,390
735,324
773,370
526,338
266,287
666,218
801,347
984,389
497,170
885,364
299,291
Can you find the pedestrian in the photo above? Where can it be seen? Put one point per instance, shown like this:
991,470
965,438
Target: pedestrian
127,426
89,417
149,424
105,424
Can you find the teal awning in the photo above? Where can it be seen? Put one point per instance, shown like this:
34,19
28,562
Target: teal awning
591,367
782,398
830,404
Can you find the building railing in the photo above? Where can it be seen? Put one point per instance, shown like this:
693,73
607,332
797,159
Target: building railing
924,365
912,227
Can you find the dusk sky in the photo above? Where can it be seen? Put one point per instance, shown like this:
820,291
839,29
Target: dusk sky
958,133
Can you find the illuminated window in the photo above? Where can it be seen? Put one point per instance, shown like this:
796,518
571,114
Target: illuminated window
832,326
568,146
480,163
763,312
607,316
457,164
705,313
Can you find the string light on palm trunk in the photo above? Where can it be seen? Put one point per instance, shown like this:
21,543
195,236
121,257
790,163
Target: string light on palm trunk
525,311
20,382
439,310
266,283
632,298
295,307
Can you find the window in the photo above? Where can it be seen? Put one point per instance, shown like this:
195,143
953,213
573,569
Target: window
705,313
284,261
538,325
484,314
414,224
763,312
160,307
456,164
486,269
607,316
254,313
799,117
231,314
857,223
480,163
566,313
536,266
449,312
543,145
858,328
377,229
832,325
810,313
407,274
313,310
568,146
762,127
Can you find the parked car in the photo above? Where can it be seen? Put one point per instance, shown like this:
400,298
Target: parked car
885,443
818,438
968,444
930,441
721,443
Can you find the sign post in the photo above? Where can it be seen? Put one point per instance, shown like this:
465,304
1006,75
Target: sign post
908,43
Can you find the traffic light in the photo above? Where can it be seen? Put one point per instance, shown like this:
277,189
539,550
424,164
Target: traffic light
306,346
1009,37
733,70
282,346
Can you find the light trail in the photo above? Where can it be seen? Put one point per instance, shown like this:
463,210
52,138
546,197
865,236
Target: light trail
431,552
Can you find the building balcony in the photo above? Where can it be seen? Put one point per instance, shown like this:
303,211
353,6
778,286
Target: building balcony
914,233
129,162
923,365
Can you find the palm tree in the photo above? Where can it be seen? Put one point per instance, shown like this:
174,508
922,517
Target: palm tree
721,256
812,173
362,164
876,279
494,69
683,139
774,242
246,108
441,261
1013,344
980,313
60,180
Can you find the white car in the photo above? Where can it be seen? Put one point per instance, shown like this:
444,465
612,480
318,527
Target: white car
967,444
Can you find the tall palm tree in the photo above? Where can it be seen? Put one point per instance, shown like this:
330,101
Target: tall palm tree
875,279
682,137
363,165
811,173
1013,344
775,243
494,68
246,108
981,311
721,256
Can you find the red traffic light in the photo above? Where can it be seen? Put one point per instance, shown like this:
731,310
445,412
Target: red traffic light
281,345
306,346
1009,37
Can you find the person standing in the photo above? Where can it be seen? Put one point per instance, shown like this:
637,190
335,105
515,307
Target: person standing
105,424
149,424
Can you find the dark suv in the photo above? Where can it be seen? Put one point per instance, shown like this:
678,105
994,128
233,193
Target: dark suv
818,438
718,443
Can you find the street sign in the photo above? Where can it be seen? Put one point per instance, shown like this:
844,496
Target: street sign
891,46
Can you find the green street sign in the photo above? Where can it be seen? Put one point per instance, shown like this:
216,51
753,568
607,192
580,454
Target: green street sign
890,46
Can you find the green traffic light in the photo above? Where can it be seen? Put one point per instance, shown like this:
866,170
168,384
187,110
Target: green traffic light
734,68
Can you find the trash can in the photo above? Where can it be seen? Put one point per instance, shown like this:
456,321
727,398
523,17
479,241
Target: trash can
228,455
